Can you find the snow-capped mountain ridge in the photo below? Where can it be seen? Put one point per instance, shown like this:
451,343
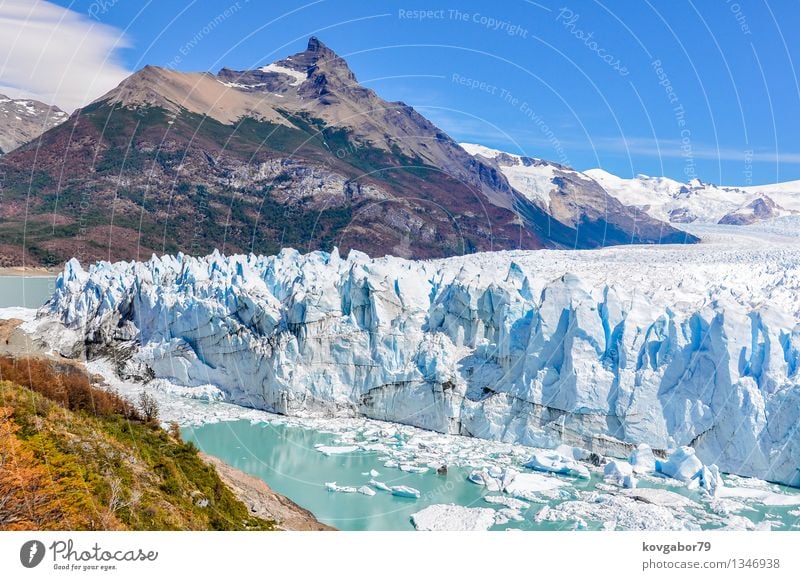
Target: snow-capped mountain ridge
696,201
576,199
605,349
660,198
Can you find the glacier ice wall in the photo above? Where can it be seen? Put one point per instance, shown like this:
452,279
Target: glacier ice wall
661,349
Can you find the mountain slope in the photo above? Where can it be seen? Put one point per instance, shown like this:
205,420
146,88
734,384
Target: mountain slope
295,153
22,120
577,200
74,458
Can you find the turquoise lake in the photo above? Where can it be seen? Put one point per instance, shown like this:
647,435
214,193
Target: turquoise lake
29,292
284,456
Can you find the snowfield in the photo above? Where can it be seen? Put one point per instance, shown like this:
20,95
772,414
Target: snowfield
661,345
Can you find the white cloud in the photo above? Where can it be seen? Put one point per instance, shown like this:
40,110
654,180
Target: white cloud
56,55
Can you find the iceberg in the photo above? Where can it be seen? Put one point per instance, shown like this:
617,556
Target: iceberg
601,350
379,485
509,502
483,478
451,517
405,491
554,462
532,486
642,459
682,465
331,486
336,449
617,512
620,472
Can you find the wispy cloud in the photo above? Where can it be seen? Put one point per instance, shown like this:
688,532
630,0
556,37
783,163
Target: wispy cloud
56,55
673,148
464,127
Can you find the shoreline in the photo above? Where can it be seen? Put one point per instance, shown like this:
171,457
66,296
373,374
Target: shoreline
263,501
29,272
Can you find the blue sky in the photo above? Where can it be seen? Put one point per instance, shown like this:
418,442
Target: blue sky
683,89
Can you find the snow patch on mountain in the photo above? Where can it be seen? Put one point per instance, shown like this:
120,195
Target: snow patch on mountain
298,76
531,177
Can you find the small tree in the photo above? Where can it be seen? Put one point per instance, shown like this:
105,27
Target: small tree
174,430
148,406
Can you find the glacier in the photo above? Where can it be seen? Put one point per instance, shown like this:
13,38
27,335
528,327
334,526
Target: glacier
606,350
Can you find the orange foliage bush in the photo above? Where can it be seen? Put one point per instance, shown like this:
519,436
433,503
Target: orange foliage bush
28,499
65,385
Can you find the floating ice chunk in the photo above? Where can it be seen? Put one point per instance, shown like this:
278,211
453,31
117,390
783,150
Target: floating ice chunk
331,486
509,502
335,449
366,490
762,496
483,478
737,523
508,476
662,497
405,491
554,462
379,485
391,464
527,485
710,479
643,460
621,473
505,515
373,473
407,467
615,469
682,464
617,512
576,453
451,517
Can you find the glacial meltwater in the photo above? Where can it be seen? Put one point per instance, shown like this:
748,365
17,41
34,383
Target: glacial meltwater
293,461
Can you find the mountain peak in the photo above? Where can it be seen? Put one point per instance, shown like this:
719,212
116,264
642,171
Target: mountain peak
318,59
316,45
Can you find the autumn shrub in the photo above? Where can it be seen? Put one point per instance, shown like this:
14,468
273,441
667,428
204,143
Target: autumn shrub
66,385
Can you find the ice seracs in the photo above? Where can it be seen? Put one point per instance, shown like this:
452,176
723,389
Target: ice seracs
604,350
